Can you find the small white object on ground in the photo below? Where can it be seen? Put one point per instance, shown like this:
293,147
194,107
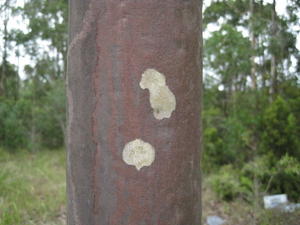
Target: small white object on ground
280,202
274,201
291,207
214,220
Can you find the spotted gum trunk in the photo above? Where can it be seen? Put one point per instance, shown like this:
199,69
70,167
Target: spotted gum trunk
134,101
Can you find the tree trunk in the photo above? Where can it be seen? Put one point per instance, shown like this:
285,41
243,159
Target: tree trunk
134,100
253,45
4,56
273,69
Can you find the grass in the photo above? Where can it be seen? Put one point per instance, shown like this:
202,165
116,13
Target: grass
32,188
32,192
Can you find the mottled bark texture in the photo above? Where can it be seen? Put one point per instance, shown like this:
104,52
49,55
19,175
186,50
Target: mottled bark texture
112,43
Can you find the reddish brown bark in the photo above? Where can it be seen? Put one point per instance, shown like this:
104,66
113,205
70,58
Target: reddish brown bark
112,42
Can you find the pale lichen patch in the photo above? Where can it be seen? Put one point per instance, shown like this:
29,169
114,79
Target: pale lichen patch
162,100
138,153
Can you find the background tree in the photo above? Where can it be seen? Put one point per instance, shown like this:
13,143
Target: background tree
40,95
251,99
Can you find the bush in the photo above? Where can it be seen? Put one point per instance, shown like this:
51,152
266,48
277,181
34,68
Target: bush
275,176
12,132
28,123
286,178
229,184
280,132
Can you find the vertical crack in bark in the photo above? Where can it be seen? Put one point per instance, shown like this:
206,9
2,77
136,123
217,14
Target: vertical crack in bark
95,131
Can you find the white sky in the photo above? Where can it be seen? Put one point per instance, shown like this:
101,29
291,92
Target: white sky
23,59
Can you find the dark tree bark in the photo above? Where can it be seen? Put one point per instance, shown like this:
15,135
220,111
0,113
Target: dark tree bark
134,101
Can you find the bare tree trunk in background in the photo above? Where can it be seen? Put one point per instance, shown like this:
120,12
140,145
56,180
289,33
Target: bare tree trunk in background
260,45
253,45
273,71
255,110
134,101
33,133
4,56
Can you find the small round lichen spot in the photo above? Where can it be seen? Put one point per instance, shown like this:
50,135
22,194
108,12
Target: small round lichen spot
162,100
138,153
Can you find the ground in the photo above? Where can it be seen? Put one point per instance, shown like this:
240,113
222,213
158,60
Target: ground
32,188
240,212
33,192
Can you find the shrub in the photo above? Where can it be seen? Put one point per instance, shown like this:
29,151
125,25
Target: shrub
275,176
229,184
279,130
12,132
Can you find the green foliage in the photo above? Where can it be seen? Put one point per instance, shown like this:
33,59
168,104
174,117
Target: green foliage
13,131
47,21
286,177
53,118
228,53
273,176
10,83
232,11
251,100
280,133
32,111
229,184
32,122
251,136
